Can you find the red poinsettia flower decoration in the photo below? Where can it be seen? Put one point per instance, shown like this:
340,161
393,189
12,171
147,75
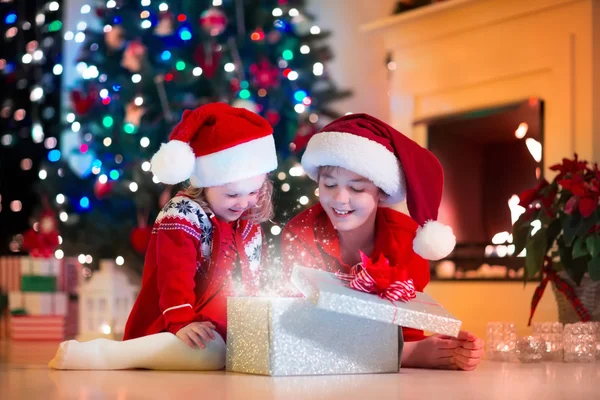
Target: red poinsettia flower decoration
570,166
530,198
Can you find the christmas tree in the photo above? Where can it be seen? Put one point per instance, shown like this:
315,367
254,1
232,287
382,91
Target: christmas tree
146,63
30,77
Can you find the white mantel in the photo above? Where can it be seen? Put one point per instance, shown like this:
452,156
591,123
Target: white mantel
462,55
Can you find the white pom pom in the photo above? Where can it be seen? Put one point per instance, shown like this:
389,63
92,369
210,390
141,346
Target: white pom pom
174,162
434,241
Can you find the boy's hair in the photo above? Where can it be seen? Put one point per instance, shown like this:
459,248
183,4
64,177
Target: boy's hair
261,212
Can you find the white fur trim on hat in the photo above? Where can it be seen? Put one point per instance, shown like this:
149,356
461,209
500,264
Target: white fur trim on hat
243,161
434,241
173,162
357,154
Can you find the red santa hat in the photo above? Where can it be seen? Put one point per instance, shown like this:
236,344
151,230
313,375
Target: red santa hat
396,164
216,144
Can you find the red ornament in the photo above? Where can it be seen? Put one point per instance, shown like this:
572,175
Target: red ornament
264,74
213,21
273,117
234,85
82,104
208,57
140,238
44,241
102,189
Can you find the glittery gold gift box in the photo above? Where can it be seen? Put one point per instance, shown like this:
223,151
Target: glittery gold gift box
327,292
289,336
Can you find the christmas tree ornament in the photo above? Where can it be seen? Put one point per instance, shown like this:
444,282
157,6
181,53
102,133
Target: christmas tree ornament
213,21
114,38
264,74
166,24
140,238
83,103
208,57
272,116
134,56
43,241
101,189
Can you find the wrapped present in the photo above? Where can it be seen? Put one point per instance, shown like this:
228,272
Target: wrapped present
67,271
10,273
32,303
69,276
38,283
330,292
287,336
45,327
41,266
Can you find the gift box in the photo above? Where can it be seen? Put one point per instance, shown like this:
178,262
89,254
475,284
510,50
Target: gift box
328,292
45,327
289,336
69,276
41,266
10,273
37,283
32,303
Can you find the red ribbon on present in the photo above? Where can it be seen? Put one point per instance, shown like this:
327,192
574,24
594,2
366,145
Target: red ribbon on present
360,279
562,286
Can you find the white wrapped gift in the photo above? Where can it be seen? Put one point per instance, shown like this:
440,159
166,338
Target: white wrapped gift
287,336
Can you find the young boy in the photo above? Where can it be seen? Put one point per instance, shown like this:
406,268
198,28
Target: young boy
361,165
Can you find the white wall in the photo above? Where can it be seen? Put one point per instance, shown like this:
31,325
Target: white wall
359,58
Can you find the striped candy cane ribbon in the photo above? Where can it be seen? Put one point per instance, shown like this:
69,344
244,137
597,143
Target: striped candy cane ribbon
359,279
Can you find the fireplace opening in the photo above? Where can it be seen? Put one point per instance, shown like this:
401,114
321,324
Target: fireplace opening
489,157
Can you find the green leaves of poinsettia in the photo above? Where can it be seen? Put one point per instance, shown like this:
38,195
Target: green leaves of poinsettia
536,250
575,225
593,245
521,230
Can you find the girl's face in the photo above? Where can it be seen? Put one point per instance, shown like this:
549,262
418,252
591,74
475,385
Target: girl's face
348,199
230,201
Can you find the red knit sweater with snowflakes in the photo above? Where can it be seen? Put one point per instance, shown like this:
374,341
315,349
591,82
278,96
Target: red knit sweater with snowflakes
189,268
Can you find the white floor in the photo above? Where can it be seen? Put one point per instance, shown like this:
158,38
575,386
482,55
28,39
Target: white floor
24,375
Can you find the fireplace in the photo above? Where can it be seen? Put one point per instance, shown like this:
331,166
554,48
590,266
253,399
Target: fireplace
459,62
489,156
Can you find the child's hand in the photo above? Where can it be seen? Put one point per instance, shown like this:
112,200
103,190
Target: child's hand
196,334
468,355
444,352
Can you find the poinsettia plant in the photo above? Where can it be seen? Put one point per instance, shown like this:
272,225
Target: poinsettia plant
567,237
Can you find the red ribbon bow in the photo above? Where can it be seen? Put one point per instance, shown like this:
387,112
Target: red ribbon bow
360,279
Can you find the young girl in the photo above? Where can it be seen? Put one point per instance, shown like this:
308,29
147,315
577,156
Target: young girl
203,239
362,164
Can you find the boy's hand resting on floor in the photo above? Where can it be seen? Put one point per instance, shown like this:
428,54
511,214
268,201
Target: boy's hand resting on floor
197,334
444,352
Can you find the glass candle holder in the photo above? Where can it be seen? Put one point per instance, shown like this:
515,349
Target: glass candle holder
501,341
579,342
552,334
530,349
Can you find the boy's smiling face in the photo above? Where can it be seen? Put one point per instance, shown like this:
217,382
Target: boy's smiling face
348,199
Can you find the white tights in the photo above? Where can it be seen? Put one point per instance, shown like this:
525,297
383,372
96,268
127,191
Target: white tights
162,351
